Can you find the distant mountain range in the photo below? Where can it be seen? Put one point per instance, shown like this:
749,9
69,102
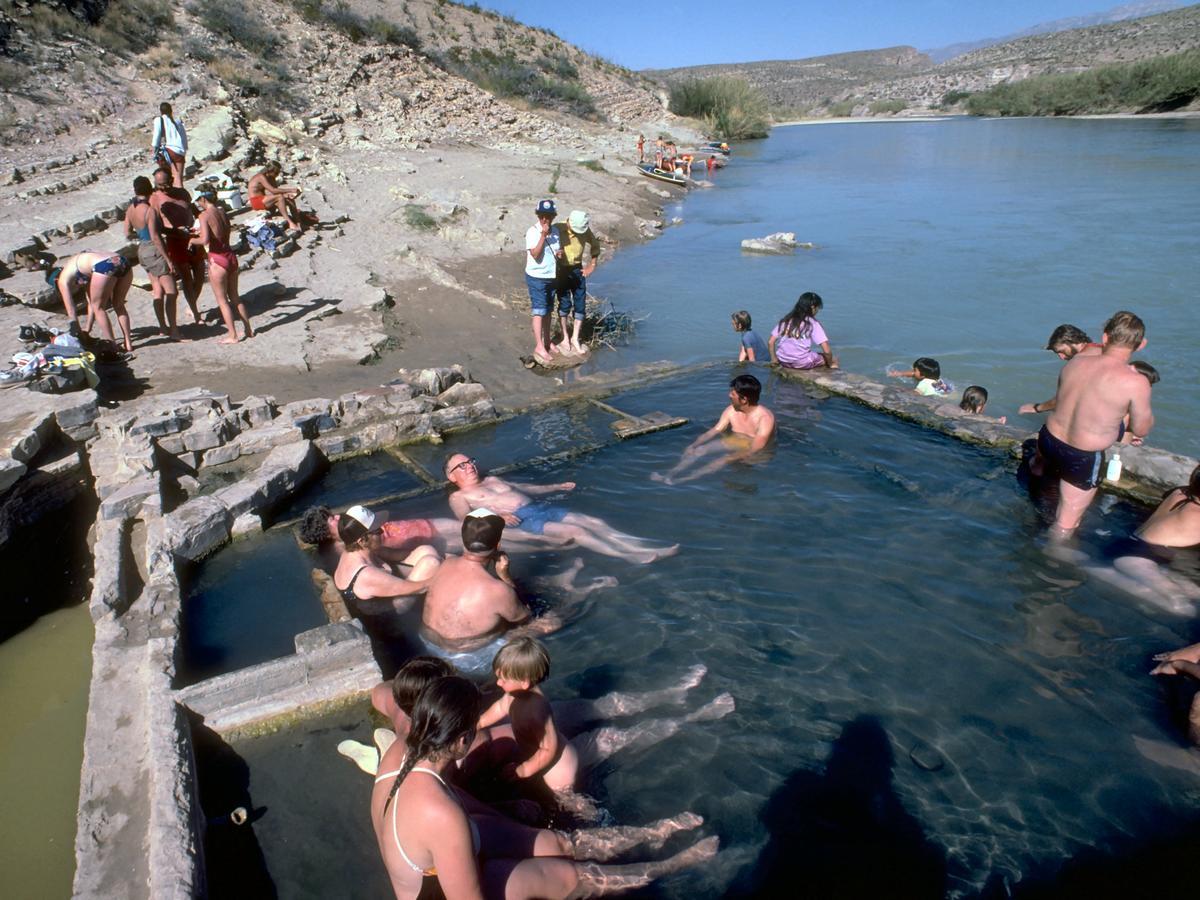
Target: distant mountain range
1116,14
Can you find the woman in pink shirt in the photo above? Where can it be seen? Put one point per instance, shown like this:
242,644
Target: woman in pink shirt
792,340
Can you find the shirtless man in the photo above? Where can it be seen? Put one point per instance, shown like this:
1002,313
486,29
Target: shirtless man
1095,392
266,195
514,503
467,605
174,205
1066,342
751,427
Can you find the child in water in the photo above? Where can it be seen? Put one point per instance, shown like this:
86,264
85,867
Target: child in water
974,401
928,375
753,348
792,339
1151,375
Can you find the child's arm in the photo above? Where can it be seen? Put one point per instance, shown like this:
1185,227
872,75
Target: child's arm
830,360
495,713
771,348
745,353
533,722
907,373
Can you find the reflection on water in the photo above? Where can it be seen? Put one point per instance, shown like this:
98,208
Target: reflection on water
874,593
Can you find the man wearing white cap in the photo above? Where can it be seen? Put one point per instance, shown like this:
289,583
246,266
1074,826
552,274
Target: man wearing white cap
365,582
574,237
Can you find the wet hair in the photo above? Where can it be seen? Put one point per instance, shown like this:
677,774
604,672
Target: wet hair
444,711
1125,329
523,659
1191,490
798,323
1144,368
927,368
1067,334
314,525
747,387
165,109
142,186
741,320
974,399
414,676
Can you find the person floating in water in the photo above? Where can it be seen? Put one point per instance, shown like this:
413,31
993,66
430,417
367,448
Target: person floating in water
1095,393
753,348
928,375
514,503
750,428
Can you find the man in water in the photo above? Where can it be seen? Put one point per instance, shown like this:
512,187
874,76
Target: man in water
466,604
514,503
1095,392
750,428
1066,342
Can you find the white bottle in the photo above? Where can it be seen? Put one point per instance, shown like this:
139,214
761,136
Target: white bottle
1114,467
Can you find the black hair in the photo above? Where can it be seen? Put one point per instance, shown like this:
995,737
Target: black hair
414,676
747,387
142,186
741,320
1067,334
1191,490
974,399
928,368
314,525
798,323
445,710
1144,368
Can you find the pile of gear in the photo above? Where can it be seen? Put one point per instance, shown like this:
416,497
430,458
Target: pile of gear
52,361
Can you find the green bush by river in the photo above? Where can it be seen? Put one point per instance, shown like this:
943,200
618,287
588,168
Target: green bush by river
731,108
1153,85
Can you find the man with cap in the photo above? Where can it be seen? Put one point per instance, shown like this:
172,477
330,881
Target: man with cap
575,237
364,580
467,604
541,274
514,503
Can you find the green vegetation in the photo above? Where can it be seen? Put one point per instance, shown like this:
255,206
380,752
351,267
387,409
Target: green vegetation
594,164
730,108
233,21
266,83
505,76
125,26
842,108
357,28
950,98
1152,85
880,107
416,218
553,188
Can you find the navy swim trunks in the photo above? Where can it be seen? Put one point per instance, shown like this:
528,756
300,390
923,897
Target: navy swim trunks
1080,468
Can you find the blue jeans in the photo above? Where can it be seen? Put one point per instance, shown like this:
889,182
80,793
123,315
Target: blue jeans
572,291
541,294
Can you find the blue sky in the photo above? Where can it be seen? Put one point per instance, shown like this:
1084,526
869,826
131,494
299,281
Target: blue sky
645,34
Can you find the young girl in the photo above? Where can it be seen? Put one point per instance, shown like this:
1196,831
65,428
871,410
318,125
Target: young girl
791,342
753,349
974,401
928,375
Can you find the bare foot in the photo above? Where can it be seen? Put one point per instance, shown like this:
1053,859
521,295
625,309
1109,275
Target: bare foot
229,340
694,676
579,349
177,337
664,552
659,477
600,844
717,708
249,334
595,880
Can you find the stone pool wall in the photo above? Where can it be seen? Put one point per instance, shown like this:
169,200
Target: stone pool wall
140,827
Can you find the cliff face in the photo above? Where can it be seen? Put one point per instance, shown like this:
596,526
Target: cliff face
910,79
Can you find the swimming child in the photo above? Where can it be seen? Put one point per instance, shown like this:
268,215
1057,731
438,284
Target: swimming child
928,374
792,339
753,348
974,401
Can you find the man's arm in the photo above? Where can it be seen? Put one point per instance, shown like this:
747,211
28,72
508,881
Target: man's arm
595,248
1044,406
544,488
722,424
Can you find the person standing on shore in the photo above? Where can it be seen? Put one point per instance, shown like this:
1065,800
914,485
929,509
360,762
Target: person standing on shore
222,265
641,148
1095,393
170,142
574,237
143,222
543,250
174,206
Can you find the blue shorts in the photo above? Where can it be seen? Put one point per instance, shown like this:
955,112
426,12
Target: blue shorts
535,516
541,294
572,291
1080,468
114,266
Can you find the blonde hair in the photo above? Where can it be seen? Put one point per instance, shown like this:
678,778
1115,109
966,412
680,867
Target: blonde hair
523,659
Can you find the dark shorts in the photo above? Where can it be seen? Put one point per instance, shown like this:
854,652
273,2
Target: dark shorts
113,267
1080,468
572,292
536,516
1135,546
541,294
179,252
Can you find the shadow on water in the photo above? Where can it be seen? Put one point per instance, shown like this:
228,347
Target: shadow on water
236,866
844,832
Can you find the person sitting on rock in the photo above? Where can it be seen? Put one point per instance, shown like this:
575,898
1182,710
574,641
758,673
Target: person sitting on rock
267,195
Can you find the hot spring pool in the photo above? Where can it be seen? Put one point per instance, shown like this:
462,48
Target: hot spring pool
920,690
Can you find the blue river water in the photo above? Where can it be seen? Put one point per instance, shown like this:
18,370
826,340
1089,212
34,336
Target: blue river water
927,703
966,240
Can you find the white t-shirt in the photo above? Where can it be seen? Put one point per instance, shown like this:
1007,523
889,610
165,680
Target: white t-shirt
170,134
546,266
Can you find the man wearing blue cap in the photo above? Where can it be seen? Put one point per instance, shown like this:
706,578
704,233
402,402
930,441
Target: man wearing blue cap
541,270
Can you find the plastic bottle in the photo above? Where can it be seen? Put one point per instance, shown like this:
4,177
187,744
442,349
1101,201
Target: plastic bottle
1114,467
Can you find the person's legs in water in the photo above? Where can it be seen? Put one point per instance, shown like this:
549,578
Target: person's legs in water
596,746
502,838
596,534
572,715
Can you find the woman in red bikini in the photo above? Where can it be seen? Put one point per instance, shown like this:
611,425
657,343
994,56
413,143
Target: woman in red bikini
222,264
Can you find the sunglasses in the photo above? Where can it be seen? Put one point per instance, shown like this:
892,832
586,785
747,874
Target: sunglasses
466,462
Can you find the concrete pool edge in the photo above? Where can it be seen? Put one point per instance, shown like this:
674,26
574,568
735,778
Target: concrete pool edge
140,825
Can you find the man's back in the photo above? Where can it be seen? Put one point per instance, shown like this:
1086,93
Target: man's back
1095,392
465,601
